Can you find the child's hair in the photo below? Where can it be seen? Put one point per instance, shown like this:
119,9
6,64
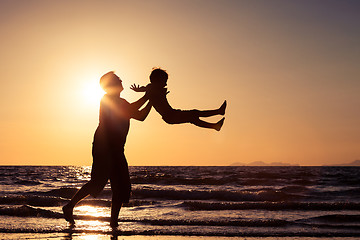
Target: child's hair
157,75
108,80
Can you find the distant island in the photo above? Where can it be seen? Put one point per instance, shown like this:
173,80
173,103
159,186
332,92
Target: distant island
355,163
261,163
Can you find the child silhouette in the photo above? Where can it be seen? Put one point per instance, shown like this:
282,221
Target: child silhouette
157,95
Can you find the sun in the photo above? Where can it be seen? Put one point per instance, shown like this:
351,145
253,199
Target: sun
92,93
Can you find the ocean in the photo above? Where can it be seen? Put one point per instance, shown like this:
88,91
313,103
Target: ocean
224,202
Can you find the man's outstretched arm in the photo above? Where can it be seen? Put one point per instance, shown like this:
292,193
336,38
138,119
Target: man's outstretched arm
143,113
137,105
141,101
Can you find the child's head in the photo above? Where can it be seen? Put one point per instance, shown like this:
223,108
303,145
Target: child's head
158,77
111,83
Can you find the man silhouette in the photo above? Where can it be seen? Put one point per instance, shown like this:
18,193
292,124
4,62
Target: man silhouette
109,161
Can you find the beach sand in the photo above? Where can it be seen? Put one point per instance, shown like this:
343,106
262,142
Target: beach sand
84,236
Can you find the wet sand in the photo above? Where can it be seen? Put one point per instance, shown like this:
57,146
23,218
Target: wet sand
84,236
88,236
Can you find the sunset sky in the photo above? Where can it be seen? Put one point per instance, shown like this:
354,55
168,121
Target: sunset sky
288,69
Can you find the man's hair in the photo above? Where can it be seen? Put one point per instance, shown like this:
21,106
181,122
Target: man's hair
158,74
108,79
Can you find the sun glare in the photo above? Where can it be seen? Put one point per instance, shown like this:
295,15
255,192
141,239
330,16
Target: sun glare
92,93
90,210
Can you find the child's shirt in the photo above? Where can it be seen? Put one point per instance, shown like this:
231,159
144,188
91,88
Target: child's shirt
159,101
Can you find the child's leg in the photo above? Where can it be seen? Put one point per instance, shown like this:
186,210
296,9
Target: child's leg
209,113
217,126
177,116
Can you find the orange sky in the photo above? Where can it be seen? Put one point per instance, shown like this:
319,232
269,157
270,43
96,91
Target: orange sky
288,69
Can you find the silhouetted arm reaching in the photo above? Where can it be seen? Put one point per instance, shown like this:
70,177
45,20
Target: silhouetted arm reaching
137,105
138,88
143,113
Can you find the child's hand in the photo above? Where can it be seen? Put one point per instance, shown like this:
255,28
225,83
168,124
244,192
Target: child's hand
138,88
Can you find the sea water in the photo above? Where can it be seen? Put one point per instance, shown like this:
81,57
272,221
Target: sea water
189,201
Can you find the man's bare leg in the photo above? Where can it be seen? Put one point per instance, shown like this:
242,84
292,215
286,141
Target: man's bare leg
68,208
116,204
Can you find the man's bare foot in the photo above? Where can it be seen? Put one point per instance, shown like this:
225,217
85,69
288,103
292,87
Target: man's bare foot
219,124
223,108
68,214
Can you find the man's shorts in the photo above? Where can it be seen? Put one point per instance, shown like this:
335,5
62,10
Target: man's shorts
111,165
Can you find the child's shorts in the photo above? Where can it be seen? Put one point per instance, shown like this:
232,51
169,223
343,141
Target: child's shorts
180,116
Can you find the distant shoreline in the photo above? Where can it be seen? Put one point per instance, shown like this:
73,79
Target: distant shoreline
231,165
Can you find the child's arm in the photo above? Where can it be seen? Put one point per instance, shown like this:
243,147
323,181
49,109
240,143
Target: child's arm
136,105
138,88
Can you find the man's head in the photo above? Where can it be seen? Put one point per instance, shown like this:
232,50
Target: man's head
111,83
158,77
